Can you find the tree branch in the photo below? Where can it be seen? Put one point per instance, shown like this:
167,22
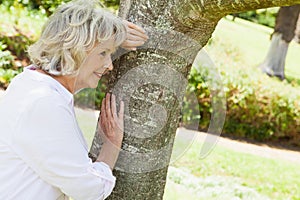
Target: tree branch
221,8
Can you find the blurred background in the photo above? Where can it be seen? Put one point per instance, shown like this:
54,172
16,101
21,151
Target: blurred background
257,54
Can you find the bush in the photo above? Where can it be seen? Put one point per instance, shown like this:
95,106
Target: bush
19,28
49,6
265,17
6,59
257,107
91,98
6,76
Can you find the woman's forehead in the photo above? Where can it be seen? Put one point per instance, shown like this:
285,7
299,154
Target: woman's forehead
106,44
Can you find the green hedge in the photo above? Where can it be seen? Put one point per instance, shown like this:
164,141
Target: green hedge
49,6
265,17
258,107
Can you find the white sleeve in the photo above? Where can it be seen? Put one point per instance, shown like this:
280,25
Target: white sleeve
46,139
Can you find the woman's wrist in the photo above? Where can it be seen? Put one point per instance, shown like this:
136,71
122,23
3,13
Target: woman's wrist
109,154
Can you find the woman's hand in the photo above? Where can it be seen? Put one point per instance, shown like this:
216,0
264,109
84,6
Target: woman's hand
111,123
136,36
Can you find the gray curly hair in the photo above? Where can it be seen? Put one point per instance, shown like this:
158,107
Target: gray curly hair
73,30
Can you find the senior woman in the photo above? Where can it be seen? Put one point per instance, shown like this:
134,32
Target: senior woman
43,154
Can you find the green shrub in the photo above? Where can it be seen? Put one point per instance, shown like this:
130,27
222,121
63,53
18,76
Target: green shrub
257,106
265,17
19,28
49,6
6,75
6,59
91,98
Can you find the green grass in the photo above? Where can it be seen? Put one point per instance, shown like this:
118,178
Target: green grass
273,178
250,43
87,122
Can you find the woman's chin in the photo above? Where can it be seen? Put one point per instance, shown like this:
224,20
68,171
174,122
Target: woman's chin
94,85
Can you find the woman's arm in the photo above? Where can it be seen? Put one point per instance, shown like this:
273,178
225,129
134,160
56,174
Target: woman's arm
47,141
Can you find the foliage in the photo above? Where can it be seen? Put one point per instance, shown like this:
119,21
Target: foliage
265,17
19,28
6,58
257,108
111,3
6,76
49,6
91,98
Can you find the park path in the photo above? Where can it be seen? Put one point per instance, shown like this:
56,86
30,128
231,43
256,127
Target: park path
260,150
244,147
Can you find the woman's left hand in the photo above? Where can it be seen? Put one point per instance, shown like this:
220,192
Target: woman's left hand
136,36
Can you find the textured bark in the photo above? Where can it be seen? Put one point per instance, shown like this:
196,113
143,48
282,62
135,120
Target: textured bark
160,85
297,32
286,23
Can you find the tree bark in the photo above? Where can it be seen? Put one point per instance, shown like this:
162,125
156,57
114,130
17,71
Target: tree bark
284,32
152,82
297,32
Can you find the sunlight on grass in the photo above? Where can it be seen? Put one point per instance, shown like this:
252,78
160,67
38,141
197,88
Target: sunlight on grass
274,178
252,41
87,120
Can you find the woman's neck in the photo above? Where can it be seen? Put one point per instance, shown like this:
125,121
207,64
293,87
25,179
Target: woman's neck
67,81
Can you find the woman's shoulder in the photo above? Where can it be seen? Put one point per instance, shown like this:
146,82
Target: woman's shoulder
32,86
26,100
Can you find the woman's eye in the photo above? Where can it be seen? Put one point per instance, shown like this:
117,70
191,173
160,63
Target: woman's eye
103,53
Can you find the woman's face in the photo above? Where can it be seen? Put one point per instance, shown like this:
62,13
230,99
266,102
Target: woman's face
97,63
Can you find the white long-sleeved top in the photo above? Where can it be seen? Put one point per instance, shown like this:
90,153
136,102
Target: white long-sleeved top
43,154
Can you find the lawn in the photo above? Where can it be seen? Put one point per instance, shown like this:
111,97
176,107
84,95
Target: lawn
228,174
251,42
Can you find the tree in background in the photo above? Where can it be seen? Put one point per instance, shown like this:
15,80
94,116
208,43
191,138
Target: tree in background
297,31
142,167
284,33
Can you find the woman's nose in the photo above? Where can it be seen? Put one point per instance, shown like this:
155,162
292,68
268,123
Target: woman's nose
109,64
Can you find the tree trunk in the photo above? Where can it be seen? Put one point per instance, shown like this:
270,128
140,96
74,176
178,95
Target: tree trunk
297,32
284,32
152,82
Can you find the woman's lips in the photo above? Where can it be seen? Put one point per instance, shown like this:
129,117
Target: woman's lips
101,74
98,74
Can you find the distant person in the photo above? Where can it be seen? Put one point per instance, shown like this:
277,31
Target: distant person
43,154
